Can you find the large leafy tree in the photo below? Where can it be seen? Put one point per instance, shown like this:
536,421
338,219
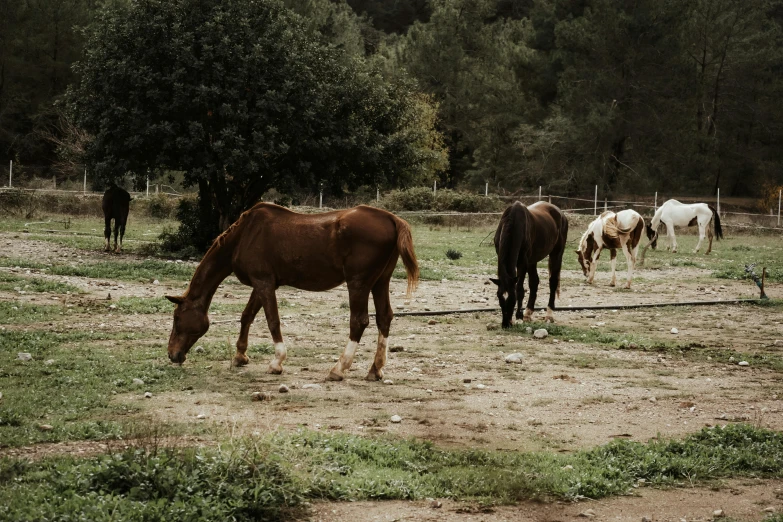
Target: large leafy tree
241,97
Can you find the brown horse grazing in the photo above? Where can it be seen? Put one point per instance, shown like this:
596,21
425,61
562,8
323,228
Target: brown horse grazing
115,204
270,246
525,236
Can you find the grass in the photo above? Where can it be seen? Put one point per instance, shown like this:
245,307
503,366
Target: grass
271,478
74,392
146,271
10,282
692,351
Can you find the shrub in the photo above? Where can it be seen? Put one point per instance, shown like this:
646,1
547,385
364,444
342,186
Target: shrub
160,206
445,200
196,229
453,254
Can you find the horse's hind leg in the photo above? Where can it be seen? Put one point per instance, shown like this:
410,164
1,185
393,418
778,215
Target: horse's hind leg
709,236
248,316
701,238
116,232
122,234
532,274
383,318
630,259
357,298
107,233
269,302
555,265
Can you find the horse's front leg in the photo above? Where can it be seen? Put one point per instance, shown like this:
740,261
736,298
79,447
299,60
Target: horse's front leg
532,274
613,253
672,238
520,292
248,316
357,299
593,265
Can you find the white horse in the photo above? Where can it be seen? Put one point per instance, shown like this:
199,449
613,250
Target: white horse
676,214
621,230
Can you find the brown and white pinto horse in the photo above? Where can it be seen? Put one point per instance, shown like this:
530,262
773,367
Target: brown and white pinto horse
611,230
270,246
525,236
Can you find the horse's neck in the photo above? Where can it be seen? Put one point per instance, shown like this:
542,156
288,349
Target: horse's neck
515,232
213,269
656,219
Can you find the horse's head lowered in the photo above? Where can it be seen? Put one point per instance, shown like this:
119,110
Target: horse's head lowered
651,234
190,323
585,253
507,296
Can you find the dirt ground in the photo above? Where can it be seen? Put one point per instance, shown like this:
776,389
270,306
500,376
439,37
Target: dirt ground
450,384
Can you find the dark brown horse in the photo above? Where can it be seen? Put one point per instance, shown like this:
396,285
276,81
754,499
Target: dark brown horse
525,236
115,204
270,246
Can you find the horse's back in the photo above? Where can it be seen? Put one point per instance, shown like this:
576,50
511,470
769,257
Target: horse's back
116,203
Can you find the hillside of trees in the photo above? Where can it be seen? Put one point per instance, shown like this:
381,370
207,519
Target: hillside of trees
636,96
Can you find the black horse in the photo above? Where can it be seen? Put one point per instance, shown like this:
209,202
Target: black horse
525,236
116,204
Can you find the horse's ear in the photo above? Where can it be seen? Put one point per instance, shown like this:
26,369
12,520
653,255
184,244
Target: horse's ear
175,299
496,281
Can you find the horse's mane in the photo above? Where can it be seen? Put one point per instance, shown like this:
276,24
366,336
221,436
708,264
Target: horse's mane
221,239
508,240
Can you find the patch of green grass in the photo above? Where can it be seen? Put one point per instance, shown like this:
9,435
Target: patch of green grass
73,393
426,274
16,312
146,270
271,478
691,350
10,282
161,305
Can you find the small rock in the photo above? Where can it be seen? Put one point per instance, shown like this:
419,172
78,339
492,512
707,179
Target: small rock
388,381
718,513
283,388
778,342
49,362
652,399
731,359
45,427
1,396
514,358
261,396
198,349
436,504
770,509
201,416
155,282
743,363
646,519
481,386
567,467
541,333
395,349
467,380
311,387
113,306
138,382
528,330
147,395
633,346
675,331
416,370
589,513
432,322
396,419
428,391
492,326
600,323
24,356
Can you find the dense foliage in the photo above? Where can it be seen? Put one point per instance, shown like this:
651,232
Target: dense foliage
239,96
635,96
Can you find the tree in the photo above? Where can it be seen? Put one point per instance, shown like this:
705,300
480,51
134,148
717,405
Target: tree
241,97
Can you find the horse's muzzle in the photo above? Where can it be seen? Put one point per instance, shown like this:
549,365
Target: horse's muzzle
177,358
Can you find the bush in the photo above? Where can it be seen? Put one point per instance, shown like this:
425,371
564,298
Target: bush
445,200
196,229
160,206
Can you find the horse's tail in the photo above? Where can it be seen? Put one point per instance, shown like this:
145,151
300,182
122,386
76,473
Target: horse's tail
716,218
405,248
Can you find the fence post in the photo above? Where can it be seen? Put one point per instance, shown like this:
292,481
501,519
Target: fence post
780,193
550,199
84,189
10,172
148,185
539,193
486,190
321,199
605,207
595,202
377,194
719,202
655,208
434,186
